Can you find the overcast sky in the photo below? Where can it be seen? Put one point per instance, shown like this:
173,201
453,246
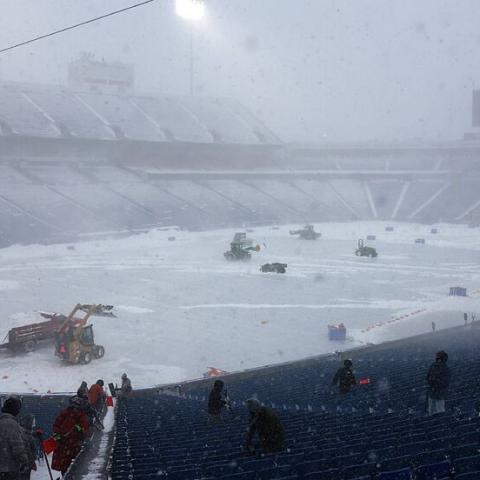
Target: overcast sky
313,70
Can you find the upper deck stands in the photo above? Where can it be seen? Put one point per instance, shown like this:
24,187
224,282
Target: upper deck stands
54,112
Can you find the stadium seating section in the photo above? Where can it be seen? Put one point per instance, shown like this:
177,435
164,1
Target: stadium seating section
379,430
77,164
44,203
52,112
43,408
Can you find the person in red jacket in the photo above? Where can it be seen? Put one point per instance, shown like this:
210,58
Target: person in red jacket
69,430
96,396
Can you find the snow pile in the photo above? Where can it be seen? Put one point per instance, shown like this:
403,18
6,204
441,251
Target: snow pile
97,466
42,471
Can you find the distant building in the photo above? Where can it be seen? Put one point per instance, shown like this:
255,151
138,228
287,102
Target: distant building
88,74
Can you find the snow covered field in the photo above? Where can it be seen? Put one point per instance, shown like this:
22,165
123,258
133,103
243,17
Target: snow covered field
182,308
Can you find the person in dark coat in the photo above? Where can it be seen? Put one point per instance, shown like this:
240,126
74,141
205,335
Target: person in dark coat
83,389
217,401
265,423
26,422
13,455
125,391
83,400
69,430
344,377
438,380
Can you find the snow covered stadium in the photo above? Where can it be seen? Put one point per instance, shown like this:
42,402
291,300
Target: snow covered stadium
131,201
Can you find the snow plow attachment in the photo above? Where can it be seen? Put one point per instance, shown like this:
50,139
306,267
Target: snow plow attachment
99,310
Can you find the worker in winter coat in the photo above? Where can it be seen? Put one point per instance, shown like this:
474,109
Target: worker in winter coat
217,401
438,380
31,445
265,423
126,389
344,377
93,416
13,455
82,391
69,430
82,397
96,396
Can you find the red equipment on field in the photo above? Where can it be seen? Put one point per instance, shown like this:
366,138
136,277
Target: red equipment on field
74,340
214,372
27,337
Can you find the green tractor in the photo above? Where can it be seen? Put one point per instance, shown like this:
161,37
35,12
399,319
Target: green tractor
241,248
306,233
363,251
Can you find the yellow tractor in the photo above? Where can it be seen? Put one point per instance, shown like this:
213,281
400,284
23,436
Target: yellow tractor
74,341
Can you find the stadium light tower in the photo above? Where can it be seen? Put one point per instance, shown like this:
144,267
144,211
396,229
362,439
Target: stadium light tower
193,11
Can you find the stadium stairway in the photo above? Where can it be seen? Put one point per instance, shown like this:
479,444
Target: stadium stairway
378,431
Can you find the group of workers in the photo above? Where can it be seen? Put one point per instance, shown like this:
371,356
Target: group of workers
85,410
265,423
437,379
19,444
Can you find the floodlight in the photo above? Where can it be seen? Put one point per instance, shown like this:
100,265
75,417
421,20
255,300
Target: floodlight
191,10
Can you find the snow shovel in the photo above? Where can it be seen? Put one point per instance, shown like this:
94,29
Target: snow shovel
39,434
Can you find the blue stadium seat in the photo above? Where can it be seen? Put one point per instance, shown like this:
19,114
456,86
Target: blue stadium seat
468,450
44,410
468,476
258,464
314,466
433,471
402,474
238,476
361,438
380,455
292,459
359,470
275,473
467,464
395,463
434,456
332,474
